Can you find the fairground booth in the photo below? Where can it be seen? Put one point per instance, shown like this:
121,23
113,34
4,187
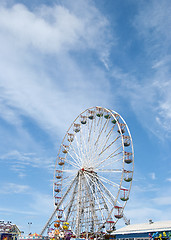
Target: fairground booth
9,231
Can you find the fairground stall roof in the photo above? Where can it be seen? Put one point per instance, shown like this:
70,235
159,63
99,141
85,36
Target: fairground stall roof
8,227
145,227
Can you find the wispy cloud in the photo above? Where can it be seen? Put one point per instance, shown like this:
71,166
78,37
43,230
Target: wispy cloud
27,89
163,200
54,29
8,211
153,176
13,188
38,202
148,201
153,23
42,204
19,162
149,94
142,208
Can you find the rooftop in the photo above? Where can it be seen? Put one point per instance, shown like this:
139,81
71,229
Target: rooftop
145,227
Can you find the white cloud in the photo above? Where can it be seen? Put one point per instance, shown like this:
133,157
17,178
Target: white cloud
149,95
18,161
153,23
42,204
9,211
161,62
163,200
145,102
36,201
13,188
153,176
28,28
48,94
55,29
141,208
143,214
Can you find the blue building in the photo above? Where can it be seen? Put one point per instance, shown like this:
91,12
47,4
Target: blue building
144,231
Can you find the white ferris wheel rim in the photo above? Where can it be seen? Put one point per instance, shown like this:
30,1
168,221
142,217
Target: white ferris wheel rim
77,164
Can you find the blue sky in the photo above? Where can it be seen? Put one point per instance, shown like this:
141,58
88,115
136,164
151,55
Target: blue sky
59,58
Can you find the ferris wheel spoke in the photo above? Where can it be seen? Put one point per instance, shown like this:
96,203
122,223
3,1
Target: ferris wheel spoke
67,180
103,197
83,147
82,136
105,200
69,170
101,131
89,132
99,186
107,192
110,195
72,163
108,120
103,150
81,155
100,122
95,198
90,201
77,160
110,156
106,148
84,154
89,143
108,137
111,162
110,131
113,184
91,149
109,170
78,156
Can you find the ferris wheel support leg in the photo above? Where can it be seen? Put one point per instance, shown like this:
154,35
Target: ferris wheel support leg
78,206
92,178
127,221
71,202
102,195
108,193
57,207
111,197
94,218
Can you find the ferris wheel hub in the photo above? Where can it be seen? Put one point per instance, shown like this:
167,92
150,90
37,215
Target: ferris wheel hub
87,170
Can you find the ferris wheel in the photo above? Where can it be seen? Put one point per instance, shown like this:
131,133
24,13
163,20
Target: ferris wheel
93,172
